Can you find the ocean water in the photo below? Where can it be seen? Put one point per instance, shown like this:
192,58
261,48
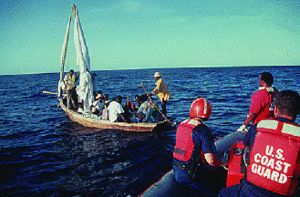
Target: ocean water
43,153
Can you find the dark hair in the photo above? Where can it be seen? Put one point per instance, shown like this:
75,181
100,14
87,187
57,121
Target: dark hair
119,99
143,97
288,102
71,71
267,77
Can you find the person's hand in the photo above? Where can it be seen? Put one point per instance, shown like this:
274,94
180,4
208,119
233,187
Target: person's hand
242,129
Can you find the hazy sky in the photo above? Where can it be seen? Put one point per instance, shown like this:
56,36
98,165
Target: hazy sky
150,33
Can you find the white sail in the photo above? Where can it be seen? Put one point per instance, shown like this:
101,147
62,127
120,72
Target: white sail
85,88
64,48
83,59
61,85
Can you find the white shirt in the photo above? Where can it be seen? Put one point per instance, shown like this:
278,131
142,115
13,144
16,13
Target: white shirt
142,108
114,109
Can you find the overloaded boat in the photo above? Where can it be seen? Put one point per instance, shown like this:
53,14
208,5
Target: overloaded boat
89,119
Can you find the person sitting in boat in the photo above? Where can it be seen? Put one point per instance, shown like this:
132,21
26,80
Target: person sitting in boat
98,106
130,105
274,168
147,112
140,100
69,82
129,108
194,152
152,115
141,112
115,110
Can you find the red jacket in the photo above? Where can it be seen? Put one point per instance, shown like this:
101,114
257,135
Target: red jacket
263,102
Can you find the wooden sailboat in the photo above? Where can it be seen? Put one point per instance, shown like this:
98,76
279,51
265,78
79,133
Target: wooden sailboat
90,120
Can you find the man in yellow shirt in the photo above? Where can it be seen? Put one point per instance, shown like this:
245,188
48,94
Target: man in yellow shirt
162,91
69,81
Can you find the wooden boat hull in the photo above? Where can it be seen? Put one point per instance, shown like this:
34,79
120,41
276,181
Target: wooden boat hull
106,124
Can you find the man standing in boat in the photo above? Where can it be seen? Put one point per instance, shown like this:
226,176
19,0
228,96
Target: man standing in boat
193,156
274,167
162,91
262,103
69,82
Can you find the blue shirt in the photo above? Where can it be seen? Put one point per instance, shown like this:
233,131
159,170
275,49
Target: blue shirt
203,140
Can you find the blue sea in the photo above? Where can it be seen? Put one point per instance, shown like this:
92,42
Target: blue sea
44,153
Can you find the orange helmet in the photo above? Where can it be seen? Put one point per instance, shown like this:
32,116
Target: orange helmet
200,108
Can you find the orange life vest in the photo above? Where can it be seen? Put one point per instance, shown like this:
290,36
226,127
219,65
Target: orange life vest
274,158
184,143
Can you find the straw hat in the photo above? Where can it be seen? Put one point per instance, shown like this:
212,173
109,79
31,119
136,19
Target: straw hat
157,74
99,96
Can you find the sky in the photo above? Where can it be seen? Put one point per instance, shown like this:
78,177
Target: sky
131,34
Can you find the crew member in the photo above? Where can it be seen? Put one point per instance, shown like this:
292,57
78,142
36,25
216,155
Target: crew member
262,106
274,152
193,156
69,82
162,91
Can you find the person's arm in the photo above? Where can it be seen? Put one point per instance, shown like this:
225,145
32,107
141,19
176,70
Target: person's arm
212,160
250,118
202,135
157,88
255,108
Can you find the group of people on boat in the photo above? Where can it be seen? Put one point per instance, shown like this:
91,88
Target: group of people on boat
274,142
146,110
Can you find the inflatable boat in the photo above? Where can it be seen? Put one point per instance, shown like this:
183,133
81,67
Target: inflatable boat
230,147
